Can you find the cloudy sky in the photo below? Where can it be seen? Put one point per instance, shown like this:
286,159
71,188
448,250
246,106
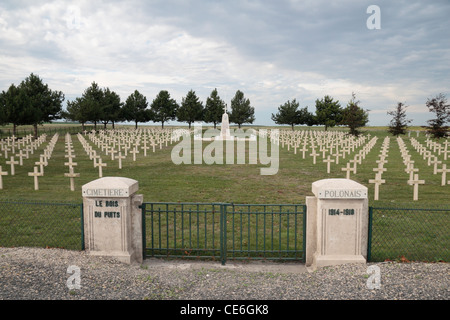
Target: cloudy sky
273,51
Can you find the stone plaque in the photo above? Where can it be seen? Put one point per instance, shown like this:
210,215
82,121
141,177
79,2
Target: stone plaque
113,219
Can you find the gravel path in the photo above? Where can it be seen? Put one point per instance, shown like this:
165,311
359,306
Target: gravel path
41,274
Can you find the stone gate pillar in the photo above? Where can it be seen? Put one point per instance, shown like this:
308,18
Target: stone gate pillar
337,223
113,219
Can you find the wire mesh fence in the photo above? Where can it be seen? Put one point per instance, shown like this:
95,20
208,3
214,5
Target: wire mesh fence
409,234
41,224
230,231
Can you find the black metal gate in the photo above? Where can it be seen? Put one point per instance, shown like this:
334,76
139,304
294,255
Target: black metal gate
222,231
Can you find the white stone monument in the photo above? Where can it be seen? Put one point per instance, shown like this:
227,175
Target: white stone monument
337,223
113,219
225,127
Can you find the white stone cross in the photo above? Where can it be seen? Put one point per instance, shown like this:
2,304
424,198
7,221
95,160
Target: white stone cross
377,181
328,161
120,157
410,170
314,154
2,173
381,162
95,157
435,162
70,163
416,183
70,155
354,161
134,151
100,166
444,171
35,174
6,149
21,154
12,162
347,170
337,155
71,175
41,163
358,158
379,170
30,149
303,150
153,144
145,148
113,152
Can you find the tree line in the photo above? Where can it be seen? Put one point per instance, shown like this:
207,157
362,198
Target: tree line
330,113
32,102
101,105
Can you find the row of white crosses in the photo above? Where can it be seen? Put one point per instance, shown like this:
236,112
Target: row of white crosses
24,146
92,153
131,141
440,148
43,161
359,157
427,154
413,176
329,144
70,155
9,145
380,169
432,159
345,147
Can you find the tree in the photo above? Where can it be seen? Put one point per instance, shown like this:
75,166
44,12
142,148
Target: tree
135,108
399,123
77,110
306,117
328,112
354,116
87,108
43,104
163,108
191,109
439,106
289,113
214,109
2,108
112,107
241,110
93,98
13,105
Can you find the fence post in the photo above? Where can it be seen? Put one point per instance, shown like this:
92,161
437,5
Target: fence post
305,208
82,227
144,239
369,240
223,232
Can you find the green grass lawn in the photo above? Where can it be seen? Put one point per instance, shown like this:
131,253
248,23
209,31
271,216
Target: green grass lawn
160,180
